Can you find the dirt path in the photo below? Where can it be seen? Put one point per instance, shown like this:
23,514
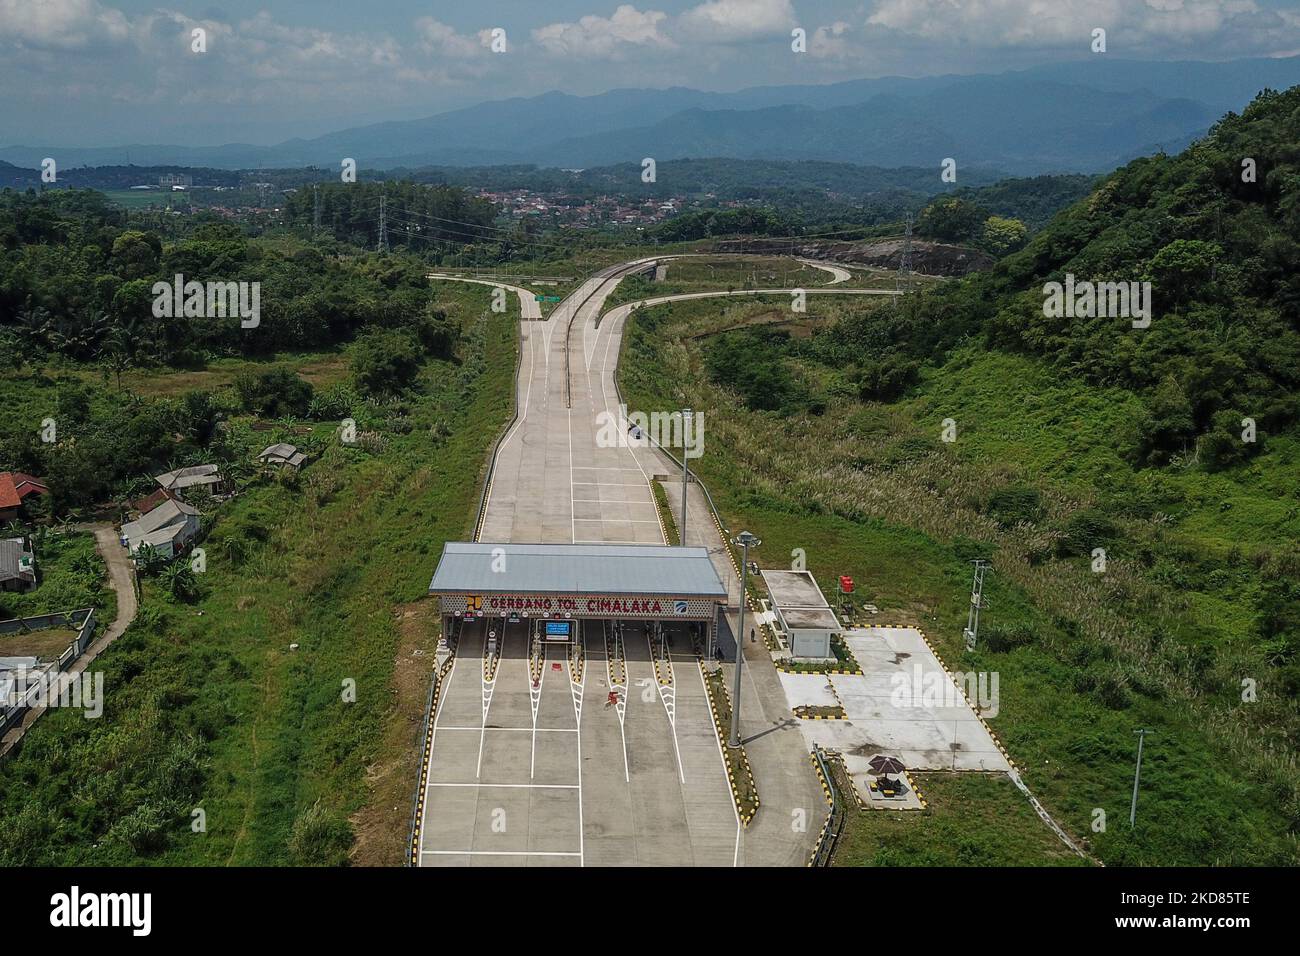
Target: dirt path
120,579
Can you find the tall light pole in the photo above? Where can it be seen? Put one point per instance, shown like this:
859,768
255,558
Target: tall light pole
687,414
1137,775
745,540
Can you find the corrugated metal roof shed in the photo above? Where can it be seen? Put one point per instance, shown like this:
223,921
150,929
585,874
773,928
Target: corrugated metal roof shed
12,565
189,477
479,567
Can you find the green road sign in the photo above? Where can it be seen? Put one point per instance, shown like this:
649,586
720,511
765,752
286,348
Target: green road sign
547,298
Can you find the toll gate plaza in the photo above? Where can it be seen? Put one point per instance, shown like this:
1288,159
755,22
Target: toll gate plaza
571,724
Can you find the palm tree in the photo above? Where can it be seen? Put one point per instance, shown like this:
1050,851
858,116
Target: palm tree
119,354
148,558
179,579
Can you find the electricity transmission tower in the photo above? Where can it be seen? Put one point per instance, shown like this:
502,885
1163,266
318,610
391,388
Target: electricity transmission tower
903,280
976,602
315,217
383,225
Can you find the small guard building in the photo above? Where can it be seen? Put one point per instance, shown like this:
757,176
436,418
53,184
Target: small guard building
802,613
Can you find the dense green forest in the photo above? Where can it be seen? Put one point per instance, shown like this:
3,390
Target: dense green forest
1222,255
76,295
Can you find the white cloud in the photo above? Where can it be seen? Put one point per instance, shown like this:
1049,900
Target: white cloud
1130,24
437,37
738,20
832,42
60,24
605,37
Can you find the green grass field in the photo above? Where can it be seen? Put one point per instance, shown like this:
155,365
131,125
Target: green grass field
145,198
972,820
1084,659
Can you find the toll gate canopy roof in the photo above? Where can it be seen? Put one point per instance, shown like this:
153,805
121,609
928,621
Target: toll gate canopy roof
577,569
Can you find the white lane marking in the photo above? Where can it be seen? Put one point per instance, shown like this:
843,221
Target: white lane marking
535,701
612,484
605,501
499,853
512,786
611,501
522,730
668,697
735,861
573,528
577,691
620,690
488,687
621,520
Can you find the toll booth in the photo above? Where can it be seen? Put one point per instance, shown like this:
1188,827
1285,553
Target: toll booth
558,587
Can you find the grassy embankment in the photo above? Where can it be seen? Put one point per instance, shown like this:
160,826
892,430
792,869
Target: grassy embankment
210,707
870,490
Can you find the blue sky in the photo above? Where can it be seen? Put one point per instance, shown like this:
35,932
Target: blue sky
111,72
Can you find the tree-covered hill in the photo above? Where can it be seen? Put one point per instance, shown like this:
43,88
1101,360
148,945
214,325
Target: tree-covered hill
1221,249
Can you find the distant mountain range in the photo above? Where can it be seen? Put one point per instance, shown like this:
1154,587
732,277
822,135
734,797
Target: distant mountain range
1085,116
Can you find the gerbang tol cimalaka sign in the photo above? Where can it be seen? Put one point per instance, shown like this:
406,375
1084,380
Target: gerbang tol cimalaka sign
579,605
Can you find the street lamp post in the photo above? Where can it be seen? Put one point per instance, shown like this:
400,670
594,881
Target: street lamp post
745,540
1137,776
687,414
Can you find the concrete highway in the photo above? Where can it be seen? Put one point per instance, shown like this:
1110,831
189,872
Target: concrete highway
558,478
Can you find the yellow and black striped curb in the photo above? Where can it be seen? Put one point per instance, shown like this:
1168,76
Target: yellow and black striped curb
613,662
948,670
854,671
826,825
829,671
974,710
439,676
577,663
916,790
663,673
663,528
804,712
730,754
487,496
